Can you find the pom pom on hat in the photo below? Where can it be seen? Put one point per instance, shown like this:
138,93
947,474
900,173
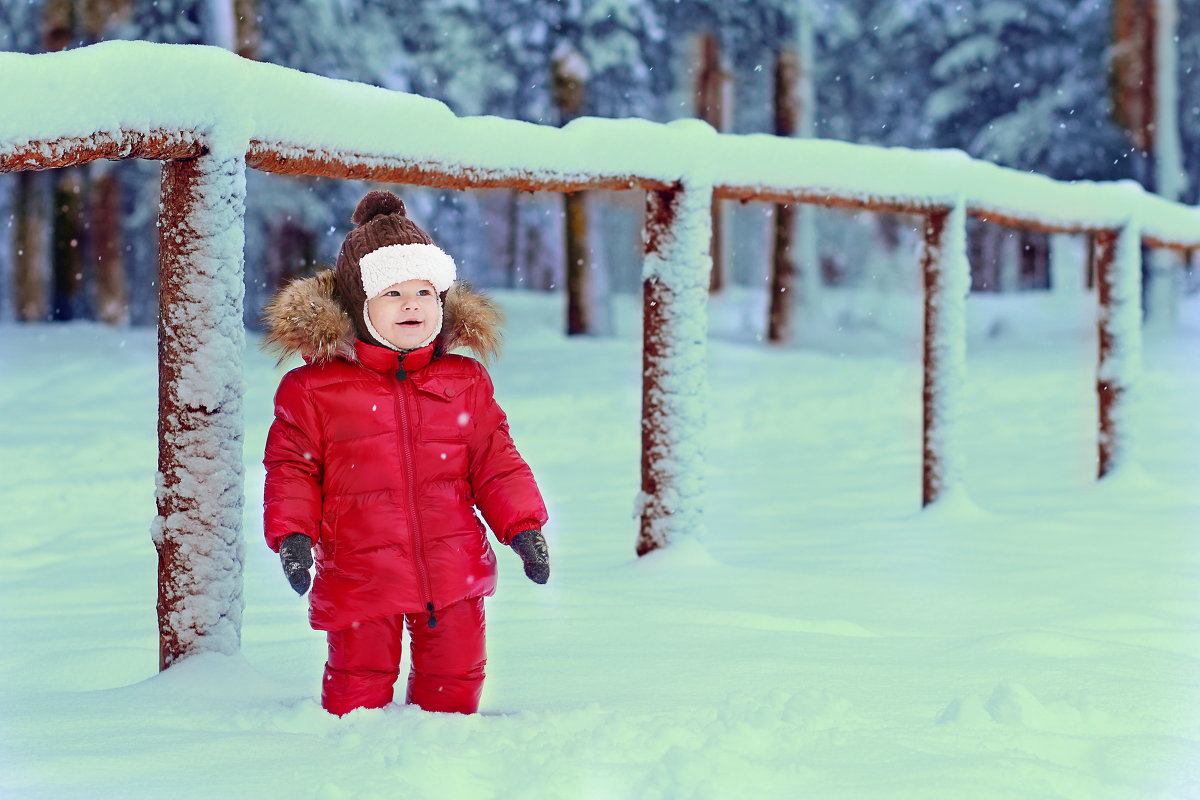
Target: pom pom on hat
374,204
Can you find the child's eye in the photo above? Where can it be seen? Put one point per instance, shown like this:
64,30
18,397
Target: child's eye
424,292
391,293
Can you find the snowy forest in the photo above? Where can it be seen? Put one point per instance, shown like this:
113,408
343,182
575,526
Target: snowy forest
1037,86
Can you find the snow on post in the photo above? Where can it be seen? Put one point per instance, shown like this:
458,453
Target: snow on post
947,282
674,361
200,341
1119,286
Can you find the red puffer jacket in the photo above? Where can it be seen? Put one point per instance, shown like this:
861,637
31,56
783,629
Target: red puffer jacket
383,469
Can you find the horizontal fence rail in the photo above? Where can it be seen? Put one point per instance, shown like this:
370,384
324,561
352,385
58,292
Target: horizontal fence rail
141,100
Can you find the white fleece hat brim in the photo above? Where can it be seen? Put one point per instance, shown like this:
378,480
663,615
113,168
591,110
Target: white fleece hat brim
397,263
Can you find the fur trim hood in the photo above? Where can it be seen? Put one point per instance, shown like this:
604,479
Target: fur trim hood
305,318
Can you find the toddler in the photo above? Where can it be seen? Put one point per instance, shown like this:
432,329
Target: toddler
382,447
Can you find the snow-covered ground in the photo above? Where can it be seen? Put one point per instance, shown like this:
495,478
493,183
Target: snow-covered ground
824,638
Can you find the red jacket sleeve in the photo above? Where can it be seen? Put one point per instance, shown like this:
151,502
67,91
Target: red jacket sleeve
293,458
504,488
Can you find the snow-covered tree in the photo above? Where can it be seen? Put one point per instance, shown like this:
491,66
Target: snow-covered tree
862,95
21,25
1018,84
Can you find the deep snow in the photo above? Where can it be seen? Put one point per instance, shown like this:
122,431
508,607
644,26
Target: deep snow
825,638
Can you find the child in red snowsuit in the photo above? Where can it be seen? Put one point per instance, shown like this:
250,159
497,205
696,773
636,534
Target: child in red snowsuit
383,446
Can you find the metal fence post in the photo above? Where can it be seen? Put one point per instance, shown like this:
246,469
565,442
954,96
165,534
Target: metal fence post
198,530
947,282
1119,323
674,361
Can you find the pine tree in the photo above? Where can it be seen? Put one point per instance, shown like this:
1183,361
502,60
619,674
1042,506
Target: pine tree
1018,85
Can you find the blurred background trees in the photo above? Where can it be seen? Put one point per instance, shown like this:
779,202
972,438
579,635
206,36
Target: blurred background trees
1039,86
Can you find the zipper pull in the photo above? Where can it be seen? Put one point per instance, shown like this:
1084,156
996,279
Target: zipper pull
400,373
432,618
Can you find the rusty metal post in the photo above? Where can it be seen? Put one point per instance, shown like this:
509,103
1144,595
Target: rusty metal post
674,362
200,429
947,282
1119,290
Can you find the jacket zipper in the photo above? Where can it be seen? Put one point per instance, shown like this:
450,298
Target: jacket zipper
418,544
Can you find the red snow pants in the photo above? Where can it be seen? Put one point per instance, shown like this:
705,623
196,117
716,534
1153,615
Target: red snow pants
447,661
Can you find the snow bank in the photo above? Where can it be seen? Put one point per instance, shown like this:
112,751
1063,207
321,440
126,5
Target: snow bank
826,639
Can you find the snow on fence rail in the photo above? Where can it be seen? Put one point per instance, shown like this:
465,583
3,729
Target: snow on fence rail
208,115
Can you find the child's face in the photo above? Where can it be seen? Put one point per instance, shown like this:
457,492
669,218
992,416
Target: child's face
406,313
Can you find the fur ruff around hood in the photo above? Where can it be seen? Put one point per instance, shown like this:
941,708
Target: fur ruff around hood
305,318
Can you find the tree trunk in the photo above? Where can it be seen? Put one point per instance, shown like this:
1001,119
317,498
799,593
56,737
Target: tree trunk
570,89
249,40
1008,260
1165,268
108,248
709,87
291,253
986,252
1092,248
809,284
512,269
1034,261
59,24
97,17
31,268
66,249
579,284
783,261
1132,70
783,277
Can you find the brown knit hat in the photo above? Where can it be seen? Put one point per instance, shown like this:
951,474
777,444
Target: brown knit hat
385,248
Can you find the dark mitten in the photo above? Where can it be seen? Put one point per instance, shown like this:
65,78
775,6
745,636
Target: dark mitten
531,547
296,554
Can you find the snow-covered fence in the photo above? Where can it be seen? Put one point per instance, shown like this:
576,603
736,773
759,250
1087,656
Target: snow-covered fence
209,114
936,183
